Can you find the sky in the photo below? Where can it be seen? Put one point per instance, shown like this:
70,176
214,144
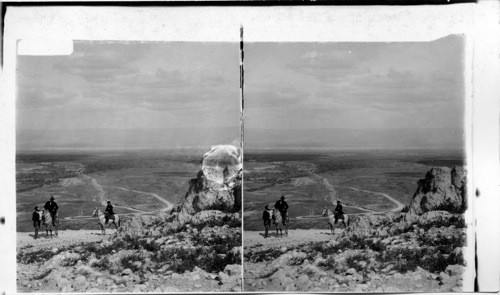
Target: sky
355,95
129,95
160,95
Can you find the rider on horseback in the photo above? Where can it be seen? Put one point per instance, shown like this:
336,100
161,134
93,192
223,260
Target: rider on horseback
338,212
109,212
51,207
282,206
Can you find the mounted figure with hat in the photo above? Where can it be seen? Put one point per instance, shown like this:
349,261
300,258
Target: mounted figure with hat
108,212
339,213
51,207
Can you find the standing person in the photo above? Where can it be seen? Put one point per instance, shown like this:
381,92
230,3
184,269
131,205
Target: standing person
267,217
36,217
282,206
338,211
109,212
52,207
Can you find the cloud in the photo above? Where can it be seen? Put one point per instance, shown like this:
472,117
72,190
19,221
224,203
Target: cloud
40,96
272,96
329,66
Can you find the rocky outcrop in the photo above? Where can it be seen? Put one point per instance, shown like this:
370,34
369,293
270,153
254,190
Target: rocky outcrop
217,185
441,189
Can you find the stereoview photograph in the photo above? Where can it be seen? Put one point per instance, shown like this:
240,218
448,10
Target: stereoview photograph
128,168
355,176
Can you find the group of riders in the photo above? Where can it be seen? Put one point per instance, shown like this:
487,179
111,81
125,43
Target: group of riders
282,206
51,207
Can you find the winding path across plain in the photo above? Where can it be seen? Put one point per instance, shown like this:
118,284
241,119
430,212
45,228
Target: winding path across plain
333,194
399,205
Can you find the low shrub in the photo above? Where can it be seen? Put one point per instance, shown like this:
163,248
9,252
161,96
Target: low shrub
37,256
102,264
266,255
129,261
329,264
404,259
353,261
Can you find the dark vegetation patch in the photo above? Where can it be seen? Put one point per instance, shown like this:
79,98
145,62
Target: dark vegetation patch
265,255
221,244
459,161
38,256
457,220
101,165
180,260
54,173
102,264
403,259
354,261
50,157
330,264
130,261
415,175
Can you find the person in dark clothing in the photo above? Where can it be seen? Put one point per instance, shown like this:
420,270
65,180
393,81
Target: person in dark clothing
282,206
52,207
338,211
267,217
36,216
109,212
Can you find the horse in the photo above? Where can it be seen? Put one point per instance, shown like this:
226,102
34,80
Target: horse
331,218
50,224
102,219
278,222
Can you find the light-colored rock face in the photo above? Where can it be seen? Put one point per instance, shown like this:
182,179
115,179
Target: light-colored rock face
441,189
222,163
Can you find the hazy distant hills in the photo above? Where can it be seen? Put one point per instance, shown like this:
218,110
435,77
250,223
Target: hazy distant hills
125,138
326,138
355,138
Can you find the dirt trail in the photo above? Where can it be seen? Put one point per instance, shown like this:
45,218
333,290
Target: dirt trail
169,205
101,194
101,197
333,196
65,238
295,237
399,205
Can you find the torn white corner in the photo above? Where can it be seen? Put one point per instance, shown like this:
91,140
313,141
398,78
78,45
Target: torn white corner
45,47
222,163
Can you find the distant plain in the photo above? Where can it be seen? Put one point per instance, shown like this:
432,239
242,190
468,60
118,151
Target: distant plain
365,181
136,182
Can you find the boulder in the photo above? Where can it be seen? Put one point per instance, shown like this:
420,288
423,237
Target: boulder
441,189
303,282
233,269
454,270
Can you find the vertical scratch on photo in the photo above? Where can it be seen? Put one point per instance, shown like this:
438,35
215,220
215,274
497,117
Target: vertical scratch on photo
242,130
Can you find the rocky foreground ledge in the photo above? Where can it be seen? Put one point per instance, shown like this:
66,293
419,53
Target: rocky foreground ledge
420,249
194,248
